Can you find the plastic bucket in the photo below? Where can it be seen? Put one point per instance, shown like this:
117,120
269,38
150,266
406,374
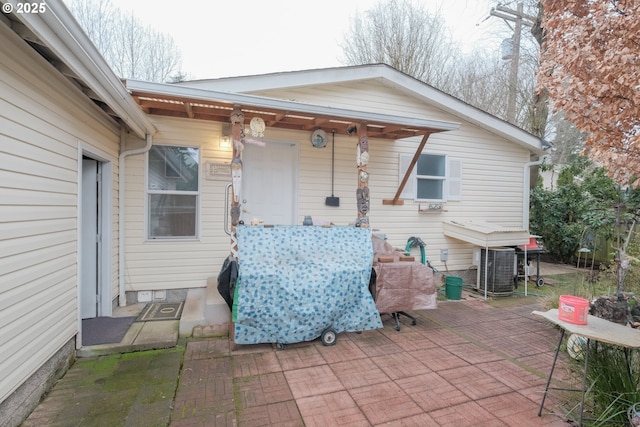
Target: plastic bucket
573,309
453,287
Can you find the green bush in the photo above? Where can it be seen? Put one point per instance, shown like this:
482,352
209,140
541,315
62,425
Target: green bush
613,384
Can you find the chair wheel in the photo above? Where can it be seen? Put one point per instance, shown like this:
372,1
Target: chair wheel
279,346
329,337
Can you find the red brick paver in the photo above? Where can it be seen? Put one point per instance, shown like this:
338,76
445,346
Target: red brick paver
331,409
384,402
464,364
358,373
313,381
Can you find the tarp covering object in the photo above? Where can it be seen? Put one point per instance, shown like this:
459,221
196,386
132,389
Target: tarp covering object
401,285
296,281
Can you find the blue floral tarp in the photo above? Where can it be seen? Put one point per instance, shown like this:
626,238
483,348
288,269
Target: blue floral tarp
296,281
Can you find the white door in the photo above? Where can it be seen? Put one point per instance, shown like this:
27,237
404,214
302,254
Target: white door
90,238
269,183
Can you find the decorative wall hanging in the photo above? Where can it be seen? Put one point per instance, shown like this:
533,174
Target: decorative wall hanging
257,127
319,138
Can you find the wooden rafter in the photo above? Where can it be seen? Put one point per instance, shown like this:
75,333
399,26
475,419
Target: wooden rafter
187,107
219,111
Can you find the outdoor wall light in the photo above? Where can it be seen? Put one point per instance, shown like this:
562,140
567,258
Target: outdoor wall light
225,142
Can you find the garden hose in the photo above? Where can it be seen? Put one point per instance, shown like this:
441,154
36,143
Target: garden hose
416,242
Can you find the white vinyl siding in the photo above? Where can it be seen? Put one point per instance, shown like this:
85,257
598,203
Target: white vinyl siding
490,187
363,96
177,263
42,119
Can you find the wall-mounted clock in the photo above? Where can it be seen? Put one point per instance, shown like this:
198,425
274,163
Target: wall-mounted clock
319,138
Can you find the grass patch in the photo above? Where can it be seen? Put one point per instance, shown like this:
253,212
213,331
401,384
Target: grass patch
578,284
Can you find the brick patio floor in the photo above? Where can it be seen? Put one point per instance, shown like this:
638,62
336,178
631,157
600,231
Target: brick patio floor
466,363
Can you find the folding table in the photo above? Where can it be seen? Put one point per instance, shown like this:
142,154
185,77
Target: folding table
596,329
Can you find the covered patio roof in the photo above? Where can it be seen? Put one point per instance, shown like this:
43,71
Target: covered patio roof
180,101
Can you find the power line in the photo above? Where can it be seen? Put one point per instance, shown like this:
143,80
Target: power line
519,18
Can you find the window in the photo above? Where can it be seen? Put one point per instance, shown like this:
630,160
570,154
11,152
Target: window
173,192
430,173
435,177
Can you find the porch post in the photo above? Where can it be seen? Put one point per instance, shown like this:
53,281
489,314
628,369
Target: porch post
362,193
237,136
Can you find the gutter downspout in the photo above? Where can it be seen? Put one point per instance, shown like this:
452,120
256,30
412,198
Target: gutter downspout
122,297
525,212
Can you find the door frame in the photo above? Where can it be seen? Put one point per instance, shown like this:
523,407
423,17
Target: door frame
295,170
104,261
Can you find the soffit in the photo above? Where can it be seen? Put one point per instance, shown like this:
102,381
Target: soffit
190,103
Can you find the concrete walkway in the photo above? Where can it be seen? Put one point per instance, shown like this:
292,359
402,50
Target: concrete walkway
467,363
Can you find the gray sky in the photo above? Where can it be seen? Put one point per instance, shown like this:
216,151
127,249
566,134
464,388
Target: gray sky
223,38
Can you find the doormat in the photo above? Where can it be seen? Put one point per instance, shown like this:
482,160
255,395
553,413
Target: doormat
105,330
161,311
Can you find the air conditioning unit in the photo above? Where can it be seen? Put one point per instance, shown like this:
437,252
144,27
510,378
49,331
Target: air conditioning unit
500,267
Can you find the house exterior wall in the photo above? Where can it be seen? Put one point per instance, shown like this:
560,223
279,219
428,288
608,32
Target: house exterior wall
492,169
368,95
179,264
44,120
492,187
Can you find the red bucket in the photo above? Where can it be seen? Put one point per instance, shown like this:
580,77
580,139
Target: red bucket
573,309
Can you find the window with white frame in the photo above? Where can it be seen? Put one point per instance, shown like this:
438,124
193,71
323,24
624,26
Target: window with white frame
173,192
435,177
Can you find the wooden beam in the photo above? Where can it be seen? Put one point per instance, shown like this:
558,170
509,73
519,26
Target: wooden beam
276,119
213,110
396,199
187,106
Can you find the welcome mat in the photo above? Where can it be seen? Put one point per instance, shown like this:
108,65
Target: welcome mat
105,330
161,311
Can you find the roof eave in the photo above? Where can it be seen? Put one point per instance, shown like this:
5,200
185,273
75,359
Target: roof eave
61,33
464,110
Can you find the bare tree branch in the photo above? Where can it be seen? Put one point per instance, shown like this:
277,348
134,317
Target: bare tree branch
133,50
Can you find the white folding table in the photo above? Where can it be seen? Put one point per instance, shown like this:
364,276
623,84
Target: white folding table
596,329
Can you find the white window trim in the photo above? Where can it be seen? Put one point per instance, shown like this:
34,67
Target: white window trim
198,195
452,181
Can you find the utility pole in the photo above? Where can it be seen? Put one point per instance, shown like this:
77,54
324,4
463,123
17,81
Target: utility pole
520,19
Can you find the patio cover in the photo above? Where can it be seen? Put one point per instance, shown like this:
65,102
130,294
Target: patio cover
485,234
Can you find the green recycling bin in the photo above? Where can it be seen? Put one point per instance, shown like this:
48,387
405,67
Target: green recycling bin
453,287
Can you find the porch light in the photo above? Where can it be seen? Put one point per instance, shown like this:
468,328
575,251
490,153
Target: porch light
225,142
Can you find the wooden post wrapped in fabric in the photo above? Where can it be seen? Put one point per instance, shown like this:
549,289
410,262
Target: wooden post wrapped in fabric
296,282
362,160
237,135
